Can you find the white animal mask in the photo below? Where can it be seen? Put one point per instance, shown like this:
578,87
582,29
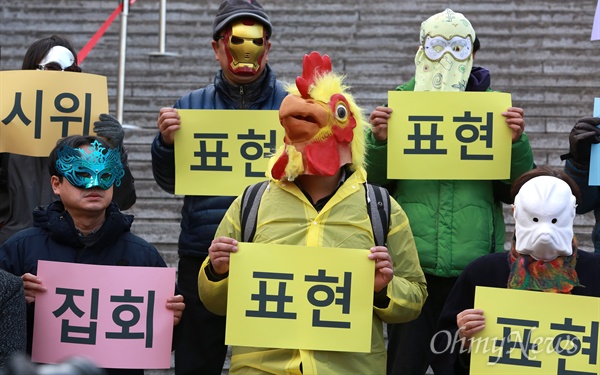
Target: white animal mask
544,211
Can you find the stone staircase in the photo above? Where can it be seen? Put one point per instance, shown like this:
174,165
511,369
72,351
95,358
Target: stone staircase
539,50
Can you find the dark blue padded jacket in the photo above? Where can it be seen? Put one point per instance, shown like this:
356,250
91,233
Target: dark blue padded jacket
54,237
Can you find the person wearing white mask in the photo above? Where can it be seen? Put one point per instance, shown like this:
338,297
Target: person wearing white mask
544,257
23,179
59,58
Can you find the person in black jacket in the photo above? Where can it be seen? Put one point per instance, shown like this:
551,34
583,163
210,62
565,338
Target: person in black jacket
241,32
23,180
544,257
585,132
83,226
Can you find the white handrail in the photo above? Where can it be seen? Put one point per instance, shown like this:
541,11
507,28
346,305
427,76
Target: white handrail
162,31
162,22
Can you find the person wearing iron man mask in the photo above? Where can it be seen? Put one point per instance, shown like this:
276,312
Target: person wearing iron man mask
246,47
240,41
241,33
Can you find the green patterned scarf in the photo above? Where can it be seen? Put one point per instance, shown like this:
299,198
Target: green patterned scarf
556,276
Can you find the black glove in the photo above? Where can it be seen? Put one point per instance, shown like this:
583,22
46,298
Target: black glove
583,134
110,128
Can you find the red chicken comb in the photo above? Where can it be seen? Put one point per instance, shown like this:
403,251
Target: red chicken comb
313,65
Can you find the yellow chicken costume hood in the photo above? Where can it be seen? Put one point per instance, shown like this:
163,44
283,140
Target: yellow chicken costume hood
324,127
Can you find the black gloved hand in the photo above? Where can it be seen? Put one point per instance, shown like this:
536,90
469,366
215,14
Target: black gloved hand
583,134
110,128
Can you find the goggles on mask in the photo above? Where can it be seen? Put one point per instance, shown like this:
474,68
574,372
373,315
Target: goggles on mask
59,58
245,44
96,168
436,47
56,67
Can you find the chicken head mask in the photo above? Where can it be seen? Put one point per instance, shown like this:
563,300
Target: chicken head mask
324,128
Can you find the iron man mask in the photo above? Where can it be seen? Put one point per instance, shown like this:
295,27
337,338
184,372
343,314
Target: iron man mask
245,47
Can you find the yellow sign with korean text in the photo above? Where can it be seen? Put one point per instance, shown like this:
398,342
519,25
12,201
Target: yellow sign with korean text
299,297
220,152
536,333
448,136
37,108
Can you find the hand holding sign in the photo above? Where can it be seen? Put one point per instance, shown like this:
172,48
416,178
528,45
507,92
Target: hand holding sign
515,121
384,269
176,305
469,322
220,251
379,122
168,123
33,286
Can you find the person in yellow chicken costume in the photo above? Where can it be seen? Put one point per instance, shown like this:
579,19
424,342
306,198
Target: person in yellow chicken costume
316,197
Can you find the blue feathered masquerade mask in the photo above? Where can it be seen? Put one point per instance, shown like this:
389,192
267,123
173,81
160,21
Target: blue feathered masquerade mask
85,170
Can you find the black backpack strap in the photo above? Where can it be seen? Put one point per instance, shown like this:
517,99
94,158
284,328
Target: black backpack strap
378,201
249,209
378,207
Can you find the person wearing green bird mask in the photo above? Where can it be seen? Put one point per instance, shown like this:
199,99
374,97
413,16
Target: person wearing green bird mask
453,221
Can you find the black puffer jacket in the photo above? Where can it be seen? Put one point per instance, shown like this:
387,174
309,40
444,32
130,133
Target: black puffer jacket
54,237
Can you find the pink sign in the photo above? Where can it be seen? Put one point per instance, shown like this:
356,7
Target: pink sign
114,316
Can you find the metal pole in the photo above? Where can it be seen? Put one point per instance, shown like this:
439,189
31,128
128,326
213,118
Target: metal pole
122,53
162,31
162,26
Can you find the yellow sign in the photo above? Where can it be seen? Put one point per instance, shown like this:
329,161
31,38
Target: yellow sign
37,108
448,136
536,333
299,297
220,152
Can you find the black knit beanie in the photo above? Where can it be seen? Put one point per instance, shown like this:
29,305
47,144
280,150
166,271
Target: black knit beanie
230,10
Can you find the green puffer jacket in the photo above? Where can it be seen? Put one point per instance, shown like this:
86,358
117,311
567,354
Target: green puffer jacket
453,221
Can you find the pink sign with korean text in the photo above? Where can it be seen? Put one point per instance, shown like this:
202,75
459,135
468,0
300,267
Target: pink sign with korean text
115,316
